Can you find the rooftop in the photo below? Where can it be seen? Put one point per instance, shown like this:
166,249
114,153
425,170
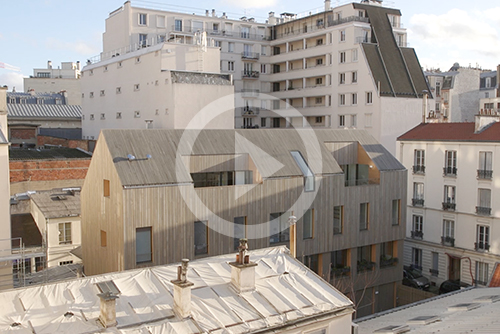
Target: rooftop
451,132
286,293
58,203
44,111
60,153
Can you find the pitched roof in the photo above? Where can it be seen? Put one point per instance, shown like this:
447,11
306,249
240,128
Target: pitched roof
60,153
495,277
44,111
57,203
285,292
263,145
451,132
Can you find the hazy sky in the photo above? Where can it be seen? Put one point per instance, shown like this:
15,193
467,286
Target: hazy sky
34,31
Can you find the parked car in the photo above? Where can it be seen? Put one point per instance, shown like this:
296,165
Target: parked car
414,278
451,285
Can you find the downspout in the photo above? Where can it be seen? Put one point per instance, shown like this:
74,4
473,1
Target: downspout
470,264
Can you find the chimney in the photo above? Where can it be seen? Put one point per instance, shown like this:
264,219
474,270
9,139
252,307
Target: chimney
213,12
31,91
182,291
272,18
328,5
484,119
242,270
224,16
206,12
107,317
49,65
78,66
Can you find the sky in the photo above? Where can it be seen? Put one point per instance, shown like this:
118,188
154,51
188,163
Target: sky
35,31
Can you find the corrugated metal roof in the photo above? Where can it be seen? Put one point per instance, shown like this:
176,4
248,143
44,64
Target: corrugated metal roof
41,111
266,147
57,203
483,319
60,153
285,292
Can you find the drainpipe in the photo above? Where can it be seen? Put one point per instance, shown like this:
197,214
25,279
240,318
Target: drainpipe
470,264
292,220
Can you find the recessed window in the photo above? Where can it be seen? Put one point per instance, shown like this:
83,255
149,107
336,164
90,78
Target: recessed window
143,245
364,216
396,212
318,100
118,90
83,95
102,93
103,116
160,21
118,115
319,41
319,61
65,263
482,238
341,78
178,25
338,219
136,87
319,81
354,54
137,60
200,237
279,228
308,224
91,94
306,171
342,120
106,189
65,233
143,19
482,273
104,239
319,119
119,65
137,114
92,117
354,77
105,68
230,66
369,97
342,99
342,35
354,99
342,57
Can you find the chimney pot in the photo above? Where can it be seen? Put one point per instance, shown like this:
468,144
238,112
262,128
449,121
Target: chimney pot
242,270
206,12
182,291
213,12
107,315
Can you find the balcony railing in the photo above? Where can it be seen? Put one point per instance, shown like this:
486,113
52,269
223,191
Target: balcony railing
250,74
417,202
250,56
481,246
365,266
449,206
417,235
448,241
359,182
339,272
484,174
418,169
450,171
388,262
179,29
483,211
236,34
250,111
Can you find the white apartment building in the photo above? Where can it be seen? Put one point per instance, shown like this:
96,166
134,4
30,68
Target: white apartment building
338,68
489,90
159,87
453,196
54,80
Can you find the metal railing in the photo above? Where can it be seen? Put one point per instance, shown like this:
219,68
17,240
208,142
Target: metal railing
449,206
417,202
481,246
250,55
250,74
250,111
448,241
483,211
434,272
418,169
365,266
450,171
484,174
417,235
388,262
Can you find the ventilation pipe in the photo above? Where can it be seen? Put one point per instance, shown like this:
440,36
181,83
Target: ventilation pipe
107,317
242,270
182,291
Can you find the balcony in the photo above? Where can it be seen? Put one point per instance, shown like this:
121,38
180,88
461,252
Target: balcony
418,169
483,211
484,174
250,111
359,182
250,92
250,74
388,261
365,265
250,56
340,271
448,241
417,235
417,202
236,34
449,206
481,246
450,171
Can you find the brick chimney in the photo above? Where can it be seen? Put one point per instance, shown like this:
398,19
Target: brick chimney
242,270
108,309
182,291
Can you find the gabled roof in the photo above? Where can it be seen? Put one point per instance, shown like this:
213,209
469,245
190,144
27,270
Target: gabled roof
44,111
451,132
265,146
57,203
286,292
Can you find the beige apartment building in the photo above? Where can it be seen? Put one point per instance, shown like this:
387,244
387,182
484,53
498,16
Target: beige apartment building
344,67
153,197
54,80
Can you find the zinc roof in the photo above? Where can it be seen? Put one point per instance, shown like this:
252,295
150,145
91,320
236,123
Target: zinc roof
57,203
41,111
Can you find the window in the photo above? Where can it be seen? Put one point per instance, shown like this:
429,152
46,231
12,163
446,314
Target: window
106,188
160,21
308,224
318,100
263,122
263,49
306,171
417,227
319,22
64,233
368,120
450,163
218,179
319,119
64,263
137,114
118,115
369,97
319,81
136,87
263,68
240,227
448,238
319,41
200,237
365,261
482,238
341,120
103,116
487,95
449,198
178,25
354,78
435,264
396,211
215,27
91,94
388,254
245,32
488,82
104,239
364,216
143,42
118,90
279,227
354,99
119,64
341,78
416,258
342,35
102,93
418,194
92,117
143,19
482,272
354,121
230,47
43,75
319,61
419,161
230,66
338,219
342,57
354,54
438,106
342,99
143,249
484,202
485,170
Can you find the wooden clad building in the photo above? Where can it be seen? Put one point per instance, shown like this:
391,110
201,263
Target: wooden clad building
154,197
